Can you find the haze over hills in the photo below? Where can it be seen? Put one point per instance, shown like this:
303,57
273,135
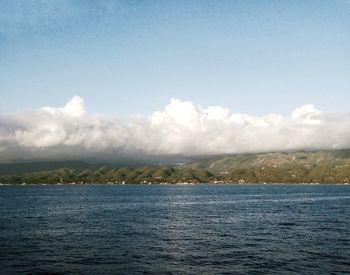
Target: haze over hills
332,166
20,167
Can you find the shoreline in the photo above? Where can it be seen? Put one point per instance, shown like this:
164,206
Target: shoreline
170,184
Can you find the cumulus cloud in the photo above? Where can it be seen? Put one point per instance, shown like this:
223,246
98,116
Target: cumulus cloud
68,132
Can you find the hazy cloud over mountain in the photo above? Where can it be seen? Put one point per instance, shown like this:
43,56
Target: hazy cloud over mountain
69,132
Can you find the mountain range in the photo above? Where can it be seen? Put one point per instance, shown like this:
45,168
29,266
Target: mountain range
332,166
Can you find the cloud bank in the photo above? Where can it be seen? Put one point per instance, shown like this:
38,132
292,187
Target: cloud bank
68,132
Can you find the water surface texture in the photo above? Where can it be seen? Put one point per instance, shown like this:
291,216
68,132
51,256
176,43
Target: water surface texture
206,229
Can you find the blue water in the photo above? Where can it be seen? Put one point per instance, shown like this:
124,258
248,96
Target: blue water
205,229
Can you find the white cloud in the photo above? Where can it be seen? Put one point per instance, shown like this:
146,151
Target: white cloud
181,128
75,107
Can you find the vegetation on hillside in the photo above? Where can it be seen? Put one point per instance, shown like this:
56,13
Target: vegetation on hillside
297,167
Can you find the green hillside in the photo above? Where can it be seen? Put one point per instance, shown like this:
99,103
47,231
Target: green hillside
297,167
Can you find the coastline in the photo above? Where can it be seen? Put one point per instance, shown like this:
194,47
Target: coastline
176,184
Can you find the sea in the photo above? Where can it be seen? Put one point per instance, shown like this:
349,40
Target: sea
175,229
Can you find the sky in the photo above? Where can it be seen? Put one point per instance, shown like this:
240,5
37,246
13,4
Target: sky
225,67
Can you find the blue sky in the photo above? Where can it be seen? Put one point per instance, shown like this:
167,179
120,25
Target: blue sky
127,57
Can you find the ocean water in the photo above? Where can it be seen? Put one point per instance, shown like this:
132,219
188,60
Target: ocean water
203,229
